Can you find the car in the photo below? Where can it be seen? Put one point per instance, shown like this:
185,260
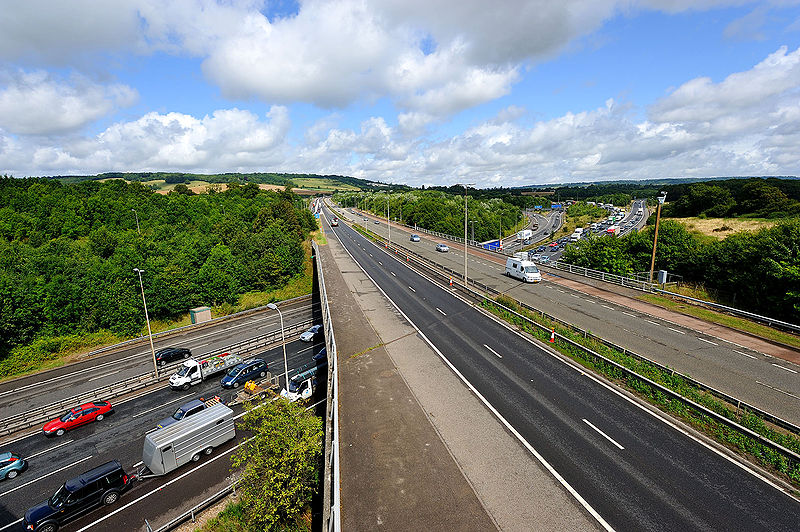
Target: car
335,222
171,354
442,248
535,257
75,417
377,222
321,357
187,409
311,334
11,465
246,371
414,238
540,249
555,248
102,485
544,259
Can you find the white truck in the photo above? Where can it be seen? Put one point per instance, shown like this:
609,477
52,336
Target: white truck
302,386
525,234
195,371
170,447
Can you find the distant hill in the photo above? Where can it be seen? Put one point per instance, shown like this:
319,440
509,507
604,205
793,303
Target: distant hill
647,182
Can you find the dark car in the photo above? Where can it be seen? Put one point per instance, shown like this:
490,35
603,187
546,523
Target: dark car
321,357
171,354
11,465
100,486
188,409
540,249
246,371
75,417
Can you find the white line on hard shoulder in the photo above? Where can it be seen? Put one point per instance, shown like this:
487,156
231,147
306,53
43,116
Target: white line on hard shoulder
629,314
654,323
606,436
676,330
777,390
493,351
782,367
9,525
707,341
48,450
606,306
744,354
40,477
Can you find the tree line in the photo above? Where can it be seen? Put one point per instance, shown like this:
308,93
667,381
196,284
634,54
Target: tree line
753,197
67,253
757,271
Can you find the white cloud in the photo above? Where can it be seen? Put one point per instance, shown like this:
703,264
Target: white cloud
35,103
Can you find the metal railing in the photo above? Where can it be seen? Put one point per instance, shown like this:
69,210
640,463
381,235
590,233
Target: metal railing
331,509
622,280
196,509
412,259
30,418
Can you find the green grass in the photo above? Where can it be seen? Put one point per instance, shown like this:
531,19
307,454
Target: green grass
741,324
318,183
233,519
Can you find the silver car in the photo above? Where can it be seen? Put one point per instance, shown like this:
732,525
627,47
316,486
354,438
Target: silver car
311,334
442,248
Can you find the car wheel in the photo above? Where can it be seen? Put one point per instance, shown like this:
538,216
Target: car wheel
208,450
262,374
12,474
49,527
99,417
110,498
196,457
60,432
235,384
186,355
162,362
186,386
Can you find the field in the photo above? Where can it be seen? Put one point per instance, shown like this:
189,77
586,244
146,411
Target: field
722,227
317,183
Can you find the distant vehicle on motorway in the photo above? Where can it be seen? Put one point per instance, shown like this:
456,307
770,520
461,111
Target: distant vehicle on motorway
377,222
187,409
11,465
99,486
247,370
311,334
335,222
414,238
540,249
442,248
75,417
544,259
171,354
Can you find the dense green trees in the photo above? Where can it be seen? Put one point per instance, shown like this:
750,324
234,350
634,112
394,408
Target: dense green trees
754,197
67,253
757,271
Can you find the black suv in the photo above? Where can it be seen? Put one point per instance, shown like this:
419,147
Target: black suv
99,486
171,354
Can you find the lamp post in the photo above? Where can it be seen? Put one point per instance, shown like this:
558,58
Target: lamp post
661,200
388,225
473,229
273,306
465,185
147,319
137,221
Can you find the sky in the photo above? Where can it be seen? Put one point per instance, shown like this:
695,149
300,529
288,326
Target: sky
438,92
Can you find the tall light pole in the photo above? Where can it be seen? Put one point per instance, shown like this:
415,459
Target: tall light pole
465,185
137,221
273,306
147,319
473,229
661,200
388,225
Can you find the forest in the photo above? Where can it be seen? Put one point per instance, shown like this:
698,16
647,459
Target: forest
67,253
756,271
439,211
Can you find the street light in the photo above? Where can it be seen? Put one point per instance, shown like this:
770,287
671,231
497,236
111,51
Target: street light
465,185
661,200
137,221
473,229
388,225
273,306
147,319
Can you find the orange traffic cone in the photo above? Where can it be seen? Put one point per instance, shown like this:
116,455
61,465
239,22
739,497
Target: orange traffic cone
553,337
451,281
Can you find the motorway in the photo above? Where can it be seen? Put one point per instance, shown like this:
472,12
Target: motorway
632,469
546,225
755,377
130,360
120,436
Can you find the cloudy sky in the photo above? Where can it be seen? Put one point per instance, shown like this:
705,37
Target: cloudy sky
406,91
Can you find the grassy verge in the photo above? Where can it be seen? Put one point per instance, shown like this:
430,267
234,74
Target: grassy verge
51,352
740,443
733,322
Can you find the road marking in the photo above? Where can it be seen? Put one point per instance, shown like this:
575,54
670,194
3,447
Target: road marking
493,351
654,323
606,436
743,354
48,450
707,341
410,288
676,330
9,525
606,306
441,311
393,274
573,295
162,405
104,375
779,366
629,314
137,464
777,390
40,477
561,291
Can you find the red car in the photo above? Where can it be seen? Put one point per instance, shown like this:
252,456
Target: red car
80,415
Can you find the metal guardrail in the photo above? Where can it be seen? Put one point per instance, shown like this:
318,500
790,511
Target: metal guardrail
452,281
196,509
331,504
622,280
34,417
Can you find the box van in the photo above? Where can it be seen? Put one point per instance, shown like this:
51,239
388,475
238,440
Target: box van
523,270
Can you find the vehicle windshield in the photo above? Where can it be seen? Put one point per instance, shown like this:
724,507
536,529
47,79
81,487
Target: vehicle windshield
67,416
233,372
59,497
179,413
294,386
531,269
184,371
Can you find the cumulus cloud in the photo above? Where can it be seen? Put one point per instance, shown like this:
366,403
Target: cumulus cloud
35,103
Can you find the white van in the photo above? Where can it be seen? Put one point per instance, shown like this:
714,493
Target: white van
524,270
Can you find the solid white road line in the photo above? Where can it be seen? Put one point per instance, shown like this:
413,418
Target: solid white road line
9,525
104,375
40,477
410,288
162,405
606,436
744,354
48,450
493,351
441,311
778,390
707,341
779,366
676,330
137,464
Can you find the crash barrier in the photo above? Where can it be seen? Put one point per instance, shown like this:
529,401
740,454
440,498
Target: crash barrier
445,274
192,513
331,509
36,416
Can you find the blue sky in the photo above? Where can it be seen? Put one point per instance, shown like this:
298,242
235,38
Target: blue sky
520,93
